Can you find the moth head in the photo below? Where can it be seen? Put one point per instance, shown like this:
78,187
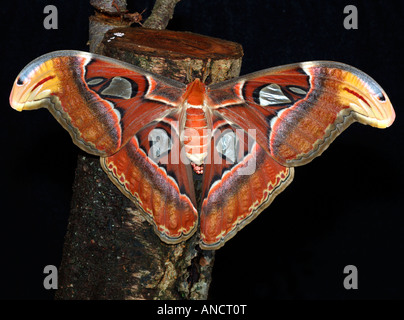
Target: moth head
36,82
195,93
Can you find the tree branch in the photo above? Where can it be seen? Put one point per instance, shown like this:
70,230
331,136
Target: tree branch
162,13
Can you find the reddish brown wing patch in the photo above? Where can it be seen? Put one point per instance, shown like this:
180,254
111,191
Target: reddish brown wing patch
339,95
298,110
235,200
237,190
136,98
253,102
159,184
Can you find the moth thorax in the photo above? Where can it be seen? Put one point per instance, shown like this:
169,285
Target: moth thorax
196,135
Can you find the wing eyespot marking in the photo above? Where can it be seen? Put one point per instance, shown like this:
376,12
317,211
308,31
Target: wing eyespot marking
119,88
271,95
95,81
160,144
300,91
381,97
227,146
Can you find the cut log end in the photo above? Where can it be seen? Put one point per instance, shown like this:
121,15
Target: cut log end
175,54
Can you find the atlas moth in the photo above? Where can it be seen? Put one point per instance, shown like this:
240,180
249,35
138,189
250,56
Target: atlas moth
244,136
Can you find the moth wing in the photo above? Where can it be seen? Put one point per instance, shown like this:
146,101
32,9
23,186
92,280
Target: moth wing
101,102
297,110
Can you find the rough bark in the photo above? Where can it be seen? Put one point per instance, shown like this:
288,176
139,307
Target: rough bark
109,6
99,25
111,251
109,14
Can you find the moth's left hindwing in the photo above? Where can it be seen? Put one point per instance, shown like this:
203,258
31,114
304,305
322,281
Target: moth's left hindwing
240,180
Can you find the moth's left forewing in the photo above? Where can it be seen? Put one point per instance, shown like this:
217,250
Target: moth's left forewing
337,96
299,109
352,88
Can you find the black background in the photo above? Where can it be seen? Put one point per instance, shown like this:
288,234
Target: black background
344,208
